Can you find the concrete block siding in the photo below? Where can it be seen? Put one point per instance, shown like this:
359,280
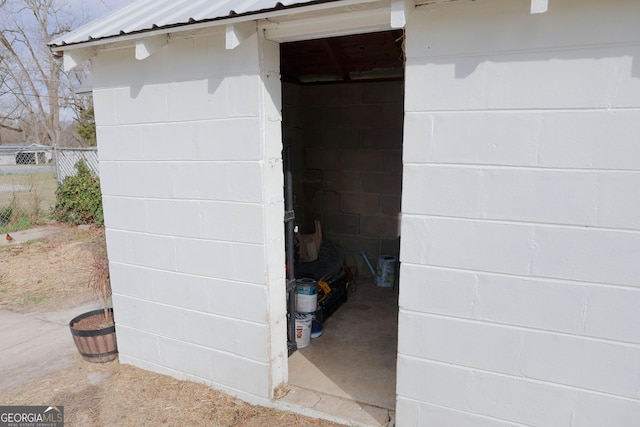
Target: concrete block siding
520,281
519,168
191,188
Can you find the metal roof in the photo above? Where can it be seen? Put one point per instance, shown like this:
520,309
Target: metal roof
149,15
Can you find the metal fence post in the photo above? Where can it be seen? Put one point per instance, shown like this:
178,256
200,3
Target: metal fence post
55,159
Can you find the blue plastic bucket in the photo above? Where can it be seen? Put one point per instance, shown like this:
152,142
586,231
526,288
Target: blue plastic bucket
386,271
306,296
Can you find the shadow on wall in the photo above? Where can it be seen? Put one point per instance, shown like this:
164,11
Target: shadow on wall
472,36
182,60
552,79
620,62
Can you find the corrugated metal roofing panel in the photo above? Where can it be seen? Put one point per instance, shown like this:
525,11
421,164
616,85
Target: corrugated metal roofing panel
147,15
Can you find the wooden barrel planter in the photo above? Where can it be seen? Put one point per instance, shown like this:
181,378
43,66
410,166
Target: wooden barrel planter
95,345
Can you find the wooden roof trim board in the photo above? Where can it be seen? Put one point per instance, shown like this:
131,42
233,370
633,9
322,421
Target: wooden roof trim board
165,16
136,21
76,51
82,44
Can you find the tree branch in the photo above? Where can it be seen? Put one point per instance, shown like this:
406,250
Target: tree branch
2,125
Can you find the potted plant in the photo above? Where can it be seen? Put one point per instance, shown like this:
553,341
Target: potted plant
94,332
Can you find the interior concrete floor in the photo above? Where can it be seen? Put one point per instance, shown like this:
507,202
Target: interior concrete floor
353,364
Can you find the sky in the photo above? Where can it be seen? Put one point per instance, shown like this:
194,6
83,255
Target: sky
75,12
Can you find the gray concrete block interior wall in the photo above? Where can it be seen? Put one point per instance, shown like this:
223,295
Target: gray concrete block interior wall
347,149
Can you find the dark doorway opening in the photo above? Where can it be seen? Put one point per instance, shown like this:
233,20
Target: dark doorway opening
343,118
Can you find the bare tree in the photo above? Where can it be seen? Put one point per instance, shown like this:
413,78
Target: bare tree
33,87
32,74
32,84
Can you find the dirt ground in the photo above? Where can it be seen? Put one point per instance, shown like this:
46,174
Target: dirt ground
111,394
51,274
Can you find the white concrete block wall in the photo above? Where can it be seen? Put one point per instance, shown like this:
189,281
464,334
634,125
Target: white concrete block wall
520,281
192,188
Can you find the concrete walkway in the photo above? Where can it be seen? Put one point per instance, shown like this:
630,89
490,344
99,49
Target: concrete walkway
30,234
33,345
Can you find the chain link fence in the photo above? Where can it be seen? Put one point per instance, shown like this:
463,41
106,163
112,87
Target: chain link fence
66,159
29,177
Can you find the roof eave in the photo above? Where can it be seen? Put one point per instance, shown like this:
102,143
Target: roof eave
204,24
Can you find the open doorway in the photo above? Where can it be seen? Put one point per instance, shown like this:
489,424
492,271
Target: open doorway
342,119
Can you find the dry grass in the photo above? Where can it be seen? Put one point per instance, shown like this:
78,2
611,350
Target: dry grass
48,274
120,395
34,194
51,274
